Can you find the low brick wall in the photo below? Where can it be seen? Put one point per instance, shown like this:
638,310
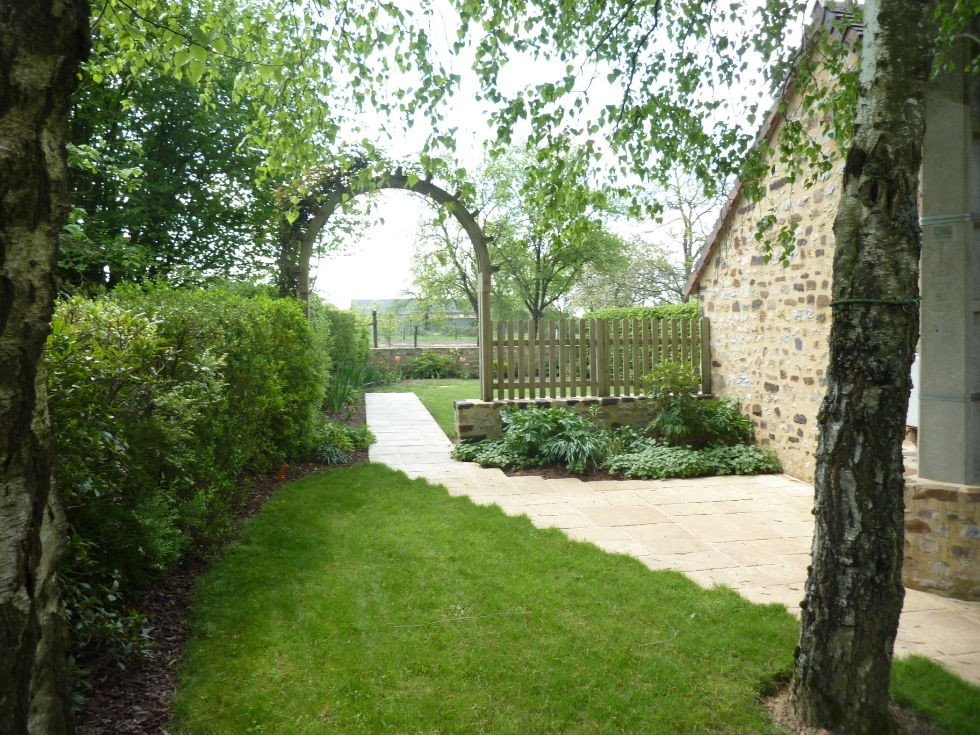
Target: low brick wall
408,354
942,538
477,420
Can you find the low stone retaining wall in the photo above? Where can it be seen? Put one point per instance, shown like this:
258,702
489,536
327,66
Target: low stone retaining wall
942,538
476,420
387,356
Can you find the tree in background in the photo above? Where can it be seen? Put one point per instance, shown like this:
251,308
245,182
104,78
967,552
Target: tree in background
443,263
689,209
547,221
645,275
655,268
163,189
546,235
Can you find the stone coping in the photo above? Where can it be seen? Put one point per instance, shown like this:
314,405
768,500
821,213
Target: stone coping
476,420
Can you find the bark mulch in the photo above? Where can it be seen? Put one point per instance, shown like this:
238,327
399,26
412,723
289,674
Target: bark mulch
137,699
783,716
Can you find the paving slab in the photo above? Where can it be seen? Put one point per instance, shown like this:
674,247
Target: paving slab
752,534
636,515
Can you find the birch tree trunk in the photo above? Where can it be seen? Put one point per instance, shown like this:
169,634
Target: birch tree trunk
41,45
854,592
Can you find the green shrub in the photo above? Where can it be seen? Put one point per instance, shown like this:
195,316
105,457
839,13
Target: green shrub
334,442
494,452
346,384
688,310
431,364
159,398
383,374
341,436
539,436
350,338
656,461
555,435
274,365
681,419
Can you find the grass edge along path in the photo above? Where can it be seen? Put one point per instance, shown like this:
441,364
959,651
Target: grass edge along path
437,396
360,601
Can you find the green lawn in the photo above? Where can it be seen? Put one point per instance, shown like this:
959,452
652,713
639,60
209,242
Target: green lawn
438,397
359,601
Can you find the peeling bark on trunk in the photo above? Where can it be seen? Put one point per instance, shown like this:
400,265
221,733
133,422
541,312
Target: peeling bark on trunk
41,45
854,591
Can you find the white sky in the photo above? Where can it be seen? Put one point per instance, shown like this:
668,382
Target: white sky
379,265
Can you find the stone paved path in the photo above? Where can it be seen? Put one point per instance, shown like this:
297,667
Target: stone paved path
750,533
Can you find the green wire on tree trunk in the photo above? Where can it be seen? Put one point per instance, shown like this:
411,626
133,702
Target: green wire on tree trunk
900,302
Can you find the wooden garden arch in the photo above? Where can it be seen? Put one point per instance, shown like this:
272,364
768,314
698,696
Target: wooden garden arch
425,187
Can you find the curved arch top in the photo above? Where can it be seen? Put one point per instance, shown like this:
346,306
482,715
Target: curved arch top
466,219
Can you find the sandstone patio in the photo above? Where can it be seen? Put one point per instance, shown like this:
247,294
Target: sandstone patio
750,533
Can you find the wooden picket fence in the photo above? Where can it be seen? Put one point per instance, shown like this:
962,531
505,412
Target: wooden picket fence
600,357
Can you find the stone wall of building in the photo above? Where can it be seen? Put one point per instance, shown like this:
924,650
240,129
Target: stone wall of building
942,539
770,323
477,420
387,355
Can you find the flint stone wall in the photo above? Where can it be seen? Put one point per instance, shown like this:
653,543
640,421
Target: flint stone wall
476,420
387,356
769,323
942,539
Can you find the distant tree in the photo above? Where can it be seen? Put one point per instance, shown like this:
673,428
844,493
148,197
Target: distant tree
547,224
164,187
542,253
444,264
689,210
644,276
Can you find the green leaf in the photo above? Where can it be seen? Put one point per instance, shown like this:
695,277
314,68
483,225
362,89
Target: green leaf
181,58
198,52
195,70
199,36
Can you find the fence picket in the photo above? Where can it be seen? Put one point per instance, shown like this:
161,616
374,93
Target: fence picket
626,357
637,364
511,365
552,362
542,363
605,371
675,342
521,360
500,359
562,359
532,359
646,346
615,353
686,342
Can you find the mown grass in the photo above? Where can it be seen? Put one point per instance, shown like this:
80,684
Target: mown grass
927,689
359,601
296,629
438,396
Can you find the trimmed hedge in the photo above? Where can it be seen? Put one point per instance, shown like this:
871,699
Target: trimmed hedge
689,310
160,399
350,336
